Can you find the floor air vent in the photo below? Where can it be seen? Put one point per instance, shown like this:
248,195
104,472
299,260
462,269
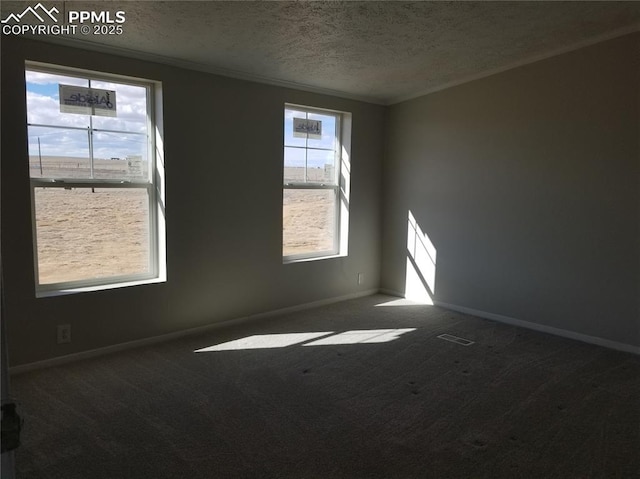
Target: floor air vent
456,339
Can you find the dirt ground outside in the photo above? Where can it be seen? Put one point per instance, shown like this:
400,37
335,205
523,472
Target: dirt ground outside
84,234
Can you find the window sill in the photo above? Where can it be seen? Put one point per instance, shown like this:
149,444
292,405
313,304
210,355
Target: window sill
290,259
101,287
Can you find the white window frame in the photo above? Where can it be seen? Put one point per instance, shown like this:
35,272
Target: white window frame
153,184
339,186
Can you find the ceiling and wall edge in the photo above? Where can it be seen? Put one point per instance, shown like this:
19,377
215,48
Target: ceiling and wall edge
200,67
527,61
194,66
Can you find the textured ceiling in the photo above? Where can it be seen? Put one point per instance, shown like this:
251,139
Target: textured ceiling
379,51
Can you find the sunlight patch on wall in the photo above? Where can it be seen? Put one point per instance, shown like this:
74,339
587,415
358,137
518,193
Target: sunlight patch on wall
420,280
345,192
414,287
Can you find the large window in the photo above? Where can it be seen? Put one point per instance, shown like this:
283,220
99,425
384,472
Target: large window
95,179
315,185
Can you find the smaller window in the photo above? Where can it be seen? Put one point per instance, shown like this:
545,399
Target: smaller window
314,191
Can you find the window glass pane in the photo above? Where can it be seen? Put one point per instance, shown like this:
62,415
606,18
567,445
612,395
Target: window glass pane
131,108
289,139
120,156
83,235
309,221
294,165
328,138
320,166
58,153
43,100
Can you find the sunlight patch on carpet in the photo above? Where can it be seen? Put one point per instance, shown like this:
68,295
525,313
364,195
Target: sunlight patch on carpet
272,341
362,336
264,341
405,302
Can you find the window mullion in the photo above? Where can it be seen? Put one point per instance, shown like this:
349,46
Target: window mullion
99,130
306,153
305,147
79,183
90,132
90,139
61,127
309,186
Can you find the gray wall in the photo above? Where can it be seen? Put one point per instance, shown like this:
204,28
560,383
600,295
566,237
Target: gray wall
224,211
528,184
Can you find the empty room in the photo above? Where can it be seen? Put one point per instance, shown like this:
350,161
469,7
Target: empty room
320,239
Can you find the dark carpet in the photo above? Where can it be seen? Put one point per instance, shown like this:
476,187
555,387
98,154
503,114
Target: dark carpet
516,404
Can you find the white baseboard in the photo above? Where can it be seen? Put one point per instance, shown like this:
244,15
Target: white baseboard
60,360
607,343
391,292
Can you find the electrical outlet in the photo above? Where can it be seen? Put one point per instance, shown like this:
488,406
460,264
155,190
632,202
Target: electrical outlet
360,278
64,333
